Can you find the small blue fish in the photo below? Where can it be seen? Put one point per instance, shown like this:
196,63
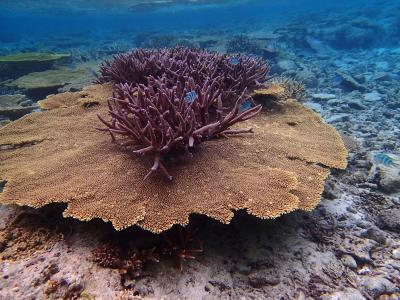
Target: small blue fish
191,96
385,159
245,106
234,61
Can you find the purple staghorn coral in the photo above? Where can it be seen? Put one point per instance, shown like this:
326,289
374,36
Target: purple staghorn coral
160,120
169,100
177,64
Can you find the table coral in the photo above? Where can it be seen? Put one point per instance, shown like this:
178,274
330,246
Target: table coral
39,84
58,156
32,57
12,66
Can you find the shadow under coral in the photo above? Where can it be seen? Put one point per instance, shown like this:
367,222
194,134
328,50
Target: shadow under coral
27,233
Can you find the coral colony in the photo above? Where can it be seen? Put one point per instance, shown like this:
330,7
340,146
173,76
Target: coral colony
170,100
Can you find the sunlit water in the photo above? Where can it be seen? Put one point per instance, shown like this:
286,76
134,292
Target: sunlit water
33,20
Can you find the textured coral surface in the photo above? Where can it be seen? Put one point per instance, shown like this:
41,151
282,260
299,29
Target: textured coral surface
59,156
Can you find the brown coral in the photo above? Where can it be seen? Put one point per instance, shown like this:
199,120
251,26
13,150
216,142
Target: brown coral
57,156
129,261
180,245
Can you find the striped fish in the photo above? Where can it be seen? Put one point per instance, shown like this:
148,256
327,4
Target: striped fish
191,96
245,106
385,159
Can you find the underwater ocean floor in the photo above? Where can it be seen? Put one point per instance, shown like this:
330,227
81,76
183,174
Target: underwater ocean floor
347,248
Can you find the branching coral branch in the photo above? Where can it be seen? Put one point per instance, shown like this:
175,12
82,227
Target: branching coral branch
178,64
169,100
158,119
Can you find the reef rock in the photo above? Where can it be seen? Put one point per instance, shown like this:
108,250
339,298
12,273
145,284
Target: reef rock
286,65
307,77
372,97
378,285
318,46
389,179
390,219
259,279
323,97
396,253
346,294
349,261
359,33
350,82
59,156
